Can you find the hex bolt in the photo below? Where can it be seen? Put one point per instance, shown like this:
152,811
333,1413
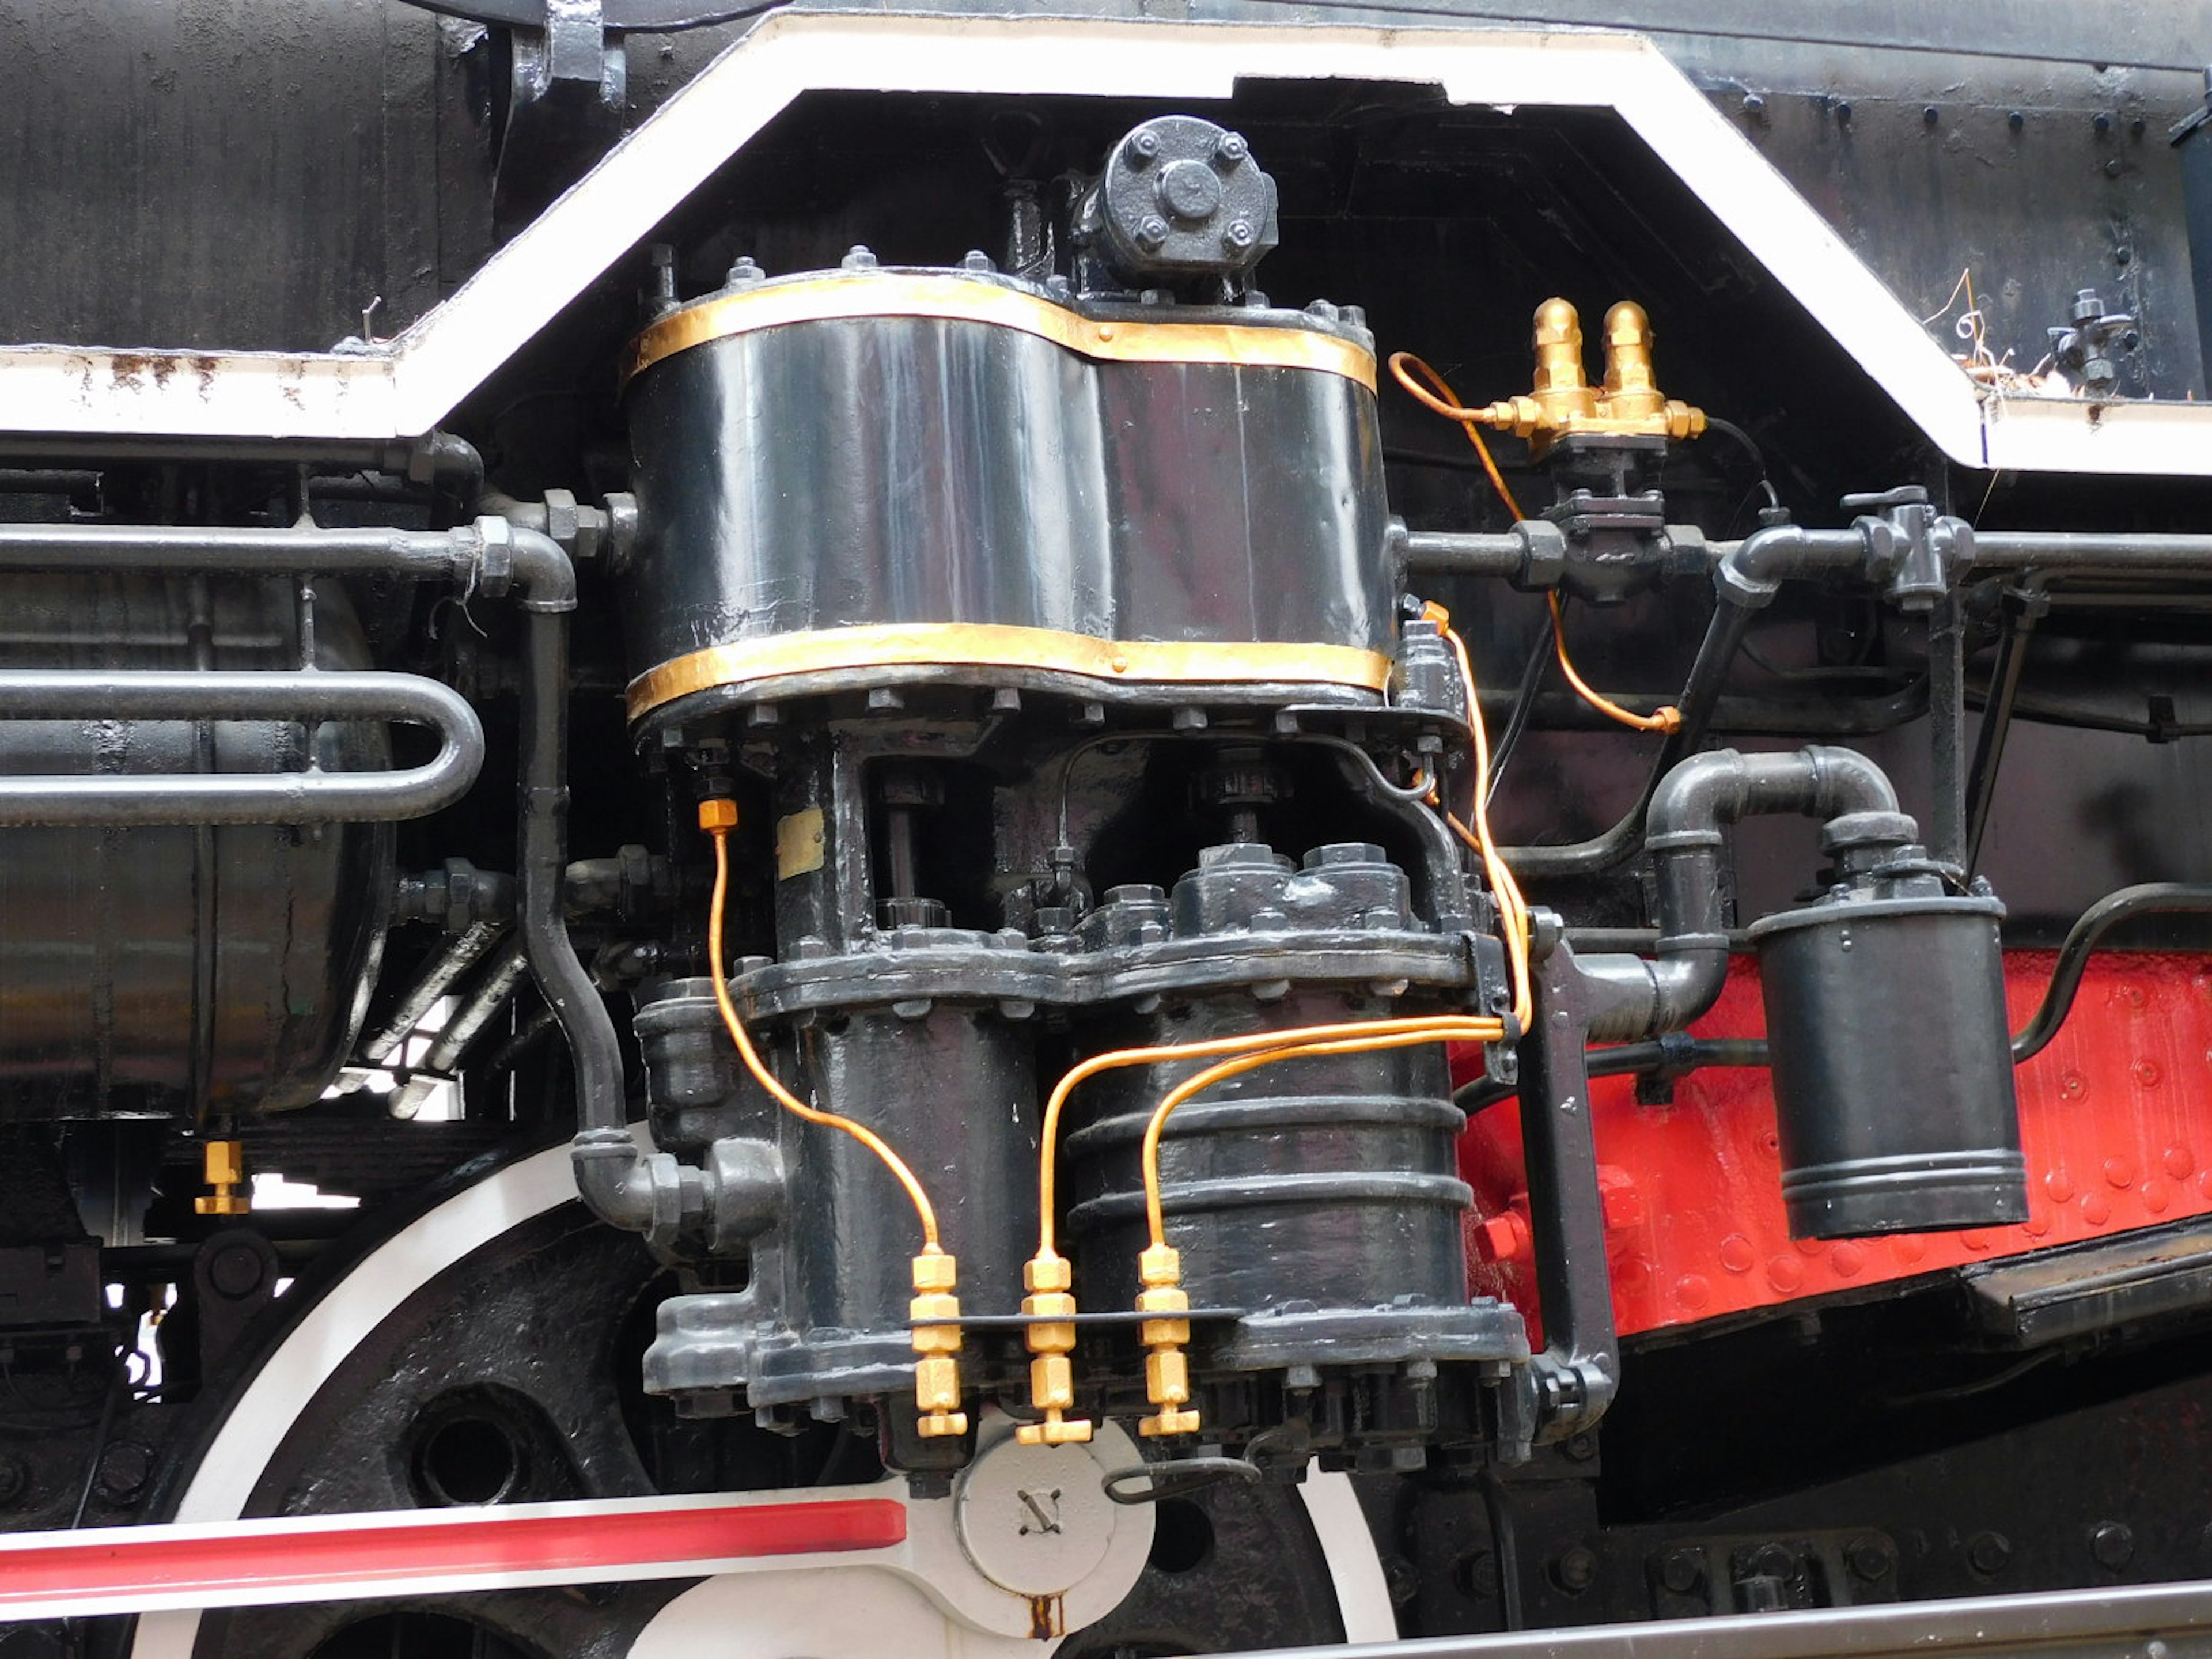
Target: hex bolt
1152,232
1869,1559
2015,120
1681,1570
1142,146
1753,104
2114,169
1230,150
15,1479
2101,122
1237,235
1989,1553
859,257
2113,1543
124,1469
1402,1580
236,1271
1931,116
1575,1569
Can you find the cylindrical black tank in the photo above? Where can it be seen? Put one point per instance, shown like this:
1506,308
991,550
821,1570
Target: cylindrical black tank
870,476
824,1314
1893,1063
1319,1197
152,971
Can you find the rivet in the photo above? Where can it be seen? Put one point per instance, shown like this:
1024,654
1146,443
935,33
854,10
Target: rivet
2157,1197
2120,1173
1692,1291
2180,1163
1783,1275
2146,1074
2096,1209
1737,1253
2060,1189
1848,1259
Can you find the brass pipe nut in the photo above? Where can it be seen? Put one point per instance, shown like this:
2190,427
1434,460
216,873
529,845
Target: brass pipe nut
1159,1264
1167,1377
1052,1381
933,1270
937,1383
1047,1273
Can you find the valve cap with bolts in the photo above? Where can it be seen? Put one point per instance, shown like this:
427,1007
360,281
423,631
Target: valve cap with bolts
1179,198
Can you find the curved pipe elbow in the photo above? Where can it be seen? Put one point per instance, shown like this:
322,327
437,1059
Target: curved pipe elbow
1707,791
1639,996
510,555
614,1178
1752,571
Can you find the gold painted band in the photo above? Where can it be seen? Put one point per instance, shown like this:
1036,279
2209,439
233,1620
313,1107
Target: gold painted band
906,645
829,299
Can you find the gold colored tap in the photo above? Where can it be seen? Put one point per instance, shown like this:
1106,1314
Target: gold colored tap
936,1373
223,1165
1167,1367
1048,1278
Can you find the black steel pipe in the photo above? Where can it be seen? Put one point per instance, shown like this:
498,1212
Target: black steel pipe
1700,696
303,695
1634,996
2153,899
445,970
2114,553
490,554
1454,553
614,1177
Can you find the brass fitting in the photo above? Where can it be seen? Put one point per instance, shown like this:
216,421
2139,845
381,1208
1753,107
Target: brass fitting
1167,1367
223,1165
1631,387
717,814
1047,1277
936,1373
1630,405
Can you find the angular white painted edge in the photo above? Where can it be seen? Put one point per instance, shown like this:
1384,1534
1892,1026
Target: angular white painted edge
418,378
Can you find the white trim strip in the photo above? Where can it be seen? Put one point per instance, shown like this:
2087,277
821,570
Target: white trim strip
418,380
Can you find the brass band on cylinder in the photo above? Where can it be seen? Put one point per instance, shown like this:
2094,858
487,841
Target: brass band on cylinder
827,299
906,645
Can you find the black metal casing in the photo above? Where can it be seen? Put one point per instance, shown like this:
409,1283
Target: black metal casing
1893,1065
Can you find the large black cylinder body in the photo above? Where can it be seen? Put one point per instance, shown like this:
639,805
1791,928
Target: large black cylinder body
1328,1180
950,1086
1892,1065
158,970
829,486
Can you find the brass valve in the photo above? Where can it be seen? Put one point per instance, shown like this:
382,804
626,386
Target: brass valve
1047,1277
1629,404
936,1373
1167,1367
223,1165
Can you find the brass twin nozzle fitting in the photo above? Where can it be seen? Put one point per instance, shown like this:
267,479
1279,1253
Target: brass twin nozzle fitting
936,1373
1564,403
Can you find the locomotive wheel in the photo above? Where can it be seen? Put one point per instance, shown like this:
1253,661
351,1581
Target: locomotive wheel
486,1352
